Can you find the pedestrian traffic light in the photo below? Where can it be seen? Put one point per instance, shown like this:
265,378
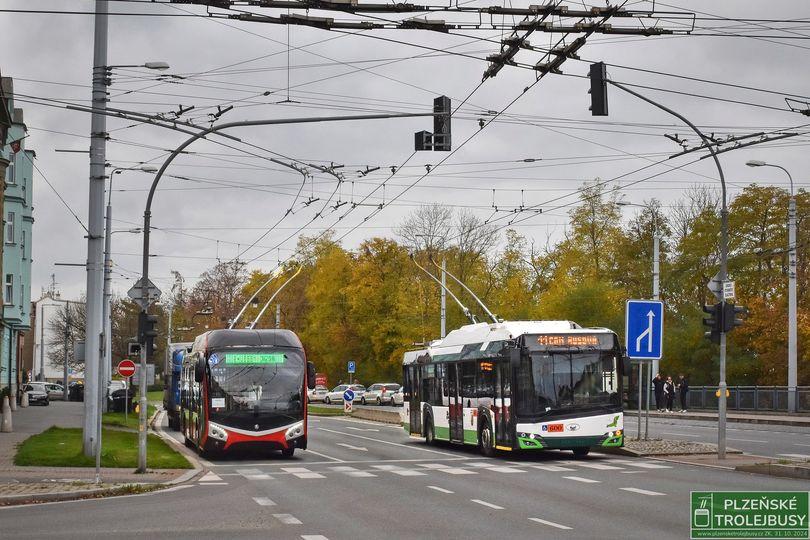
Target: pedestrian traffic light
147,332
423,140
441,124
599,102
732,316
714,321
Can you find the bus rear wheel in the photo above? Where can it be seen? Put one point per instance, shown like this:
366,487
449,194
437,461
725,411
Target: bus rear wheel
288,452
430,437
485,440
580,453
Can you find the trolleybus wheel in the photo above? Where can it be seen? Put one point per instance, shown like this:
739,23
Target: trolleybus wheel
580,453
288,452
379,401
327,400
429,435
485,440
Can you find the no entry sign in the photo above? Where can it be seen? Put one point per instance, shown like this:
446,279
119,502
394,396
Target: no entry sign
126,368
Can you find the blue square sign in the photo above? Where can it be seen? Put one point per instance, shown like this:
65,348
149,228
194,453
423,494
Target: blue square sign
351,366
644,329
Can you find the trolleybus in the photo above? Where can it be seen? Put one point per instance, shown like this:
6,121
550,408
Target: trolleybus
517,385
242,388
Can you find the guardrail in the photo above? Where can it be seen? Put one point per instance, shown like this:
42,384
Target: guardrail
749,398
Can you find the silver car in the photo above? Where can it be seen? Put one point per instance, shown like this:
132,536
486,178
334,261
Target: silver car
379,393
37,393
398,398
335,395
317,393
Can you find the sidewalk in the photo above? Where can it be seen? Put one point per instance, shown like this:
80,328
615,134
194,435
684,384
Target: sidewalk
19,484
747,417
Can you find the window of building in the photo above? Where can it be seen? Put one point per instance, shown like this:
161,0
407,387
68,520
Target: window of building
22,244
10,228
10,169
22,294
8,291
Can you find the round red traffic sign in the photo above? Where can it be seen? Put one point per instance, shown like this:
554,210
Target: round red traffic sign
126,368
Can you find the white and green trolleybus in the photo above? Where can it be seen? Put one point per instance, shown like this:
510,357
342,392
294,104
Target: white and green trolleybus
517,385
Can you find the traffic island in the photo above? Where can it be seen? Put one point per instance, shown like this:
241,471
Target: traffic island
665,448
16,493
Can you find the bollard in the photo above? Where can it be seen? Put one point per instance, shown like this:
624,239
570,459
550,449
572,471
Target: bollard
6,425
13,402
24,400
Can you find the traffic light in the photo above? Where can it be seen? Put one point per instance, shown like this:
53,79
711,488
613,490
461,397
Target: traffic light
147,332
714,321
732,316
133,350
423,140
441,124
598,91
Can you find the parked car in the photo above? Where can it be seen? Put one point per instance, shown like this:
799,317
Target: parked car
359,391
379,393
55,391
317,393
76,391
120,397
335,395
37,393
398,397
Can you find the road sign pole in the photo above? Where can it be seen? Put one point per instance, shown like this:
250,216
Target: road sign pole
640,375
142,414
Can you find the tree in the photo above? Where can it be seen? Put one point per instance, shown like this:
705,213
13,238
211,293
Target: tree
220,289
66,327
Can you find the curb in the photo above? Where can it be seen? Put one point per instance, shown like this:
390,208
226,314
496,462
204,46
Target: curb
94,493
738,420
195,463
776,469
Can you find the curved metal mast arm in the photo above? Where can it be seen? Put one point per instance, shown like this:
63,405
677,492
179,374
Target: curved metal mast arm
454,278
259,316
464,308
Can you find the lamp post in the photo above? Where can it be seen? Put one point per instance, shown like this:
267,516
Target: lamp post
792,332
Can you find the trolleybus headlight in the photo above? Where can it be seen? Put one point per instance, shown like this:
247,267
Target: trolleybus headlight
296,430
618,433
216,432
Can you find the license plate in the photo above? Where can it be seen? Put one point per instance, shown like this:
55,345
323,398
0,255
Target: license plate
555,428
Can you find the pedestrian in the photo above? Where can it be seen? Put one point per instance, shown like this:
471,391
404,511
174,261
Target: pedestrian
683,390
658,389
669,394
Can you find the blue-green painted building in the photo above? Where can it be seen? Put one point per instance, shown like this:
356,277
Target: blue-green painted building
18,221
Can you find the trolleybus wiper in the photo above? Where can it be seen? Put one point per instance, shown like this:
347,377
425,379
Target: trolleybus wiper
480,303
464,308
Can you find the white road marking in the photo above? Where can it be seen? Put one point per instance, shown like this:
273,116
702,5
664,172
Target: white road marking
361,474
745,440
361,429
505,470
313,537
600,466
263,501
248,472
258,477
632,472
551,468
440,489
457,471
287,519
295,469
213,484
302,472
432,465
406,472
387,467
210,477
351,447
798,456
642,491
485,503
800,444
681,434
348,461
309,475
580,479
649,465
324,456
550,524
409,446
342,468
485,464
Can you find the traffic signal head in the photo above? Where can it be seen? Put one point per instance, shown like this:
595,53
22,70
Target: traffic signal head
733,316
423,140
147,331
598,91
133,350
441,124
713,321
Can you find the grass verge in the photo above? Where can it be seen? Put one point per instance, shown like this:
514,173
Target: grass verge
117,418
324,411
155,396
62,447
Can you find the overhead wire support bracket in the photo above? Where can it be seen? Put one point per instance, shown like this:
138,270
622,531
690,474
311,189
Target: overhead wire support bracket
465,309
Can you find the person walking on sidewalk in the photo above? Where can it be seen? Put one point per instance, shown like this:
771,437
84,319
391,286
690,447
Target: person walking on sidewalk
669,394
658,390
683,390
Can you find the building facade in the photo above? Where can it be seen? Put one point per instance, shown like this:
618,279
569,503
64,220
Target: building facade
18,224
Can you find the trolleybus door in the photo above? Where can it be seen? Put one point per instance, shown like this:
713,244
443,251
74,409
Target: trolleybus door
455,416
503,404
415,398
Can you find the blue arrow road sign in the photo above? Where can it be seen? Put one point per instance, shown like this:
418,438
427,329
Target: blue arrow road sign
348,395
351,366
644,329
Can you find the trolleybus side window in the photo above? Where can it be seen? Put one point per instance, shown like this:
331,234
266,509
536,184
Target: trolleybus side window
467,376
486,379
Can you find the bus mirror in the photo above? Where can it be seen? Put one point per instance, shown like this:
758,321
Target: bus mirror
199,370
514,357
310,375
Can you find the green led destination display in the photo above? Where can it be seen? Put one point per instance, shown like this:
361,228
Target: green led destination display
254,359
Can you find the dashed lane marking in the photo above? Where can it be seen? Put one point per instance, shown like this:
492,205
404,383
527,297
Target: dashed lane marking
457,471
302,472
485,503
361,429
313,537
440,489
745,440
600,466
649,466
505,470
550,523
380,441
632,472
642,491
324,456
263,501
486,464
551,468
407,472
248,472
433,465
287,519
580,479
342,468
361,474
213,484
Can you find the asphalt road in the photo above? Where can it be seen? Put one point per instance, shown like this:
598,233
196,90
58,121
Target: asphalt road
757,439
368,480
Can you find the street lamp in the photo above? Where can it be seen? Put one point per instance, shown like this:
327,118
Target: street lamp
792,332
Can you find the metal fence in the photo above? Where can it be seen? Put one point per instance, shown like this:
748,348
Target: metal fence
749,398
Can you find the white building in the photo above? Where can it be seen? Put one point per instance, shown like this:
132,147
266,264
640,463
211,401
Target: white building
47,308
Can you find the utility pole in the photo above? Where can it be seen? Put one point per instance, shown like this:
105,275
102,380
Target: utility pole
656,275
444,298
278,315
65,352
95,236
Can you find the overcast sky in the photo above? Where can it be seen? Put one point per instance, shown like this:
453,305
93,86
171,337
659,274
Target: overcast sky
233,194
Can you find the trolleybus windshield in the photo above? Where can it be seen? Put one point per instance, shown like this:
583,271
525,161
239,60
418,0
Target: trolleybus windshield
258,387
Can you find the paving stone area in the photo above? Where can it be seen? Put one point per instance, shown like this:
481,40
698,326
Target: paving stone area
669,447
